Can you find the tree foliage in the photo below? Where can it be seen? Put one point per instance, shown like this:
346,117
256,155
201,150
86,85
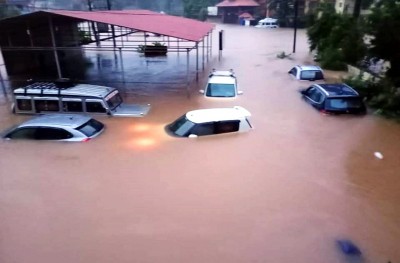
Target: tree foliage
383,27
337,39
7,11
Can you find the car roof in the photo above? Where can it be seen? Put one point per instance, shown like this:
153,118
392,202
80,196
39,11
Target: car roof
57,120
217,114
338,90
222,80
51,88
308,67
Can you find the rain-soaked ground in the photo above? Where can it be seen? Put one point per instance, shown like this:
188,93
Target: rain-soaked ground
284,192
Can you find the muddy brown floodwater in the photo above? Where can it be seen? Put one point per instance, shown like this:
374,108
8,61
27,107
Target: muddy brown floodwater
283,192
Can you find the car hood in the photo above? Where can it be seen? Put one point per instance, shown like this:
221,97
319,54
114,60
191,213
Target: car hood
131,110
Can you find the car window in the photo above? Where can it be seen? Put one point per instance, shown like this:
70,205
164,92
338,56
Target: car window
203,129
316,96
344,103
22,133
91,127
293,72
52,134
181,126
24,104
311,75
220,90
72,106
226,126
47,105
95,107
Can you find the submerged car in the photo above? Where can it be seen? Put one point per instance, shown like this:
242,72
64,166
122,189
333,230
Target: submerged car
57,127
64,96
267,22
334,98
221,84
211,121
310,73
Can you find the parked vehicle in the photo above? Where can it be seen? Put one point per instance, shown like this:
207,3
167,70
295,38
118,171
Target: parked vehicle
211,121
334,98
268,22
307,72
221,84
57,127
67,97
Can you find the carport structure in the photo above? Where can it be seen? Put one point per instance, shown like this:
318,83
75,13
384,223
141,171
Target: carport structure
48,38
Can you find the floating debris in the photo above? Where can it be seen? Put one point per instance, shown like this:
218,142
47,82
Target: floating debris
378,155
348,248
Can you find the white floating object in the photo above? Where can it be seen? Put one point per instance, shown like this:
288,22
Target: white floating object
378,155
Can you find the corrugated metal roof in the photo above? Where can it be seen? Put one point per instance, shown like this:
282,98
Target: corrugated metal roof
233,3
142,20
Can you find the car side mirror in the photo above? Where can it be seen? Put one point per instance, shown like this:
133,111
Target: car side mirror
193,136
201,91
240,92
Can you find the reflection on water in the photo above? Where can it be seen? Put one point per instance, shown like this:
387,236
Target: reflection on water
284,192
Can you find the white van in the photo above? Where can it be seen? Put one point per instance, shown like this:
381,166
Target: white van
267,23
67,97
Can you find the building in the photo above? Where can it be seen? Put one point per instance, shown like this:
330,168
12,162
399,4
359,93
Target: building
230,10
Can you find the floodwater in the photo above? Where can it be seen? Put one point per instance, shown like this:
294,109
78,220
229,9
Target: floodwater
284,192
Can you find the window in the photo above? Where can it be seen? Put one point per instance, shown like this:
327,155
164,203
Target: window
311,75
91,127
114,100
293,72
226,126
181,126
95,107
221,90
72,106
24,104
22,133
47,105
203,129
344,103
316,96
52,134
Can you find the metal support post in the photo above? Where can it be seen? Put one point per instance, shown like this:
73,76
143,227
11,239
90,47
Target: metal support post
53,41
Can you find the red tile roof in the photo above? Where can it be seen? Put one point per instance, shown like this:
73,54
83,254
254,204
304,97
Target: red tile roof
144,20
237,3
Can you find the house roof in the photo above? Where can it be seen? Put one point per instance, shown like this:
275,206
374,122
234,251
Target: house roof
142,20
237,3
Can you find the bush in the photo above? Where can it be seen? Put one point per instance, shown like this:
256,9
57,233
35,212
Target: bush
331,58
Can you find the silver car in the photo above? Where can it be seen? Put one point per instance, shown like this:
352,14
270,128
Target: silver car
57,127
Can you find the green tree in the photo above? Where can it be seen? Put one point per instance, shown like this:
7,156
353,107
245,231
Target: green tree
383,27
196,9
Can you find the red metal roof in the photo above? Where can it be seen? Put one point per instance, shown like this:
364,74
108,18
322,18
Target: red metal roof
237,3
147,21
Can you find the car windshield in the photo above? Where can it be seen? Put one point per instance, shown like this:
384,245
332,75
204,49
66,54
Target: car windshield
311,75
91,127
181,126
114,100
344,103
220,90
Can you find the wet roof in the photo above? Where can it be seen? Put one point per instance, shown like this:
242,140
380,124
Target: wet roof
339,89
309,67
142,20
79,90
233,3
217,114
65,120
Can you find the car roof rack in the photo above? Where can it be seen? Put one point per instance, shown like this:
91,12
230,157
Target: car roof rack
59,84
229,73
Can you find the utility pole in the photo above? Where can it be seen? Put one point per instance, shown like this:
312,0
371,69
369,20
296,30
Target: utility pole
112,26
296,7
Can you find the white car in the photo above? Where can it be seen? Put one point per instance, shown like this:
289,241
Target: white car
211,121
57,127
221,84
307,72
267,22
